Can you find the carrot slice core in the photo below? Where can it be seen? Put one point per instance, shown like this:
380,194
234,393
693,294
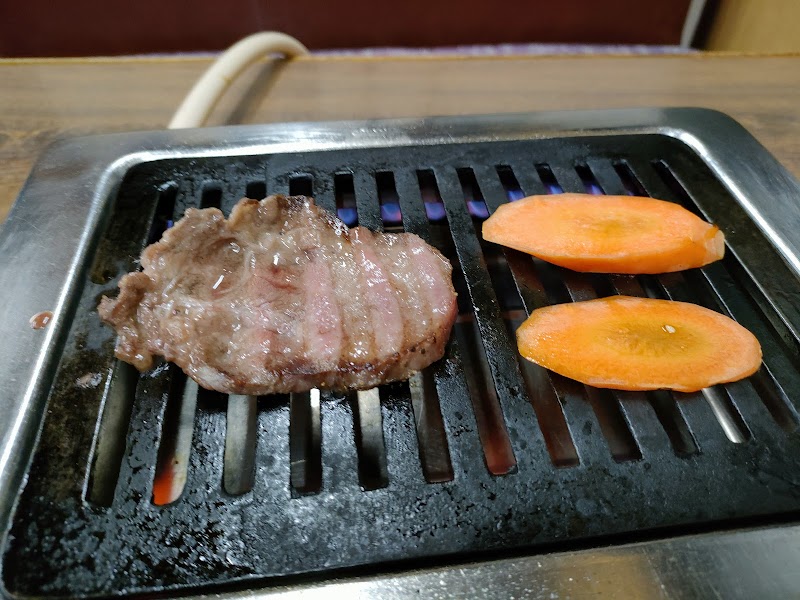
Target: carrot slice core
606,234
639,344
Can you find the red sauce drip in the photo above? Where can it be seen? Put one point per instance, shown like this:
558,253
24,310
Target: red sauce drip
40,320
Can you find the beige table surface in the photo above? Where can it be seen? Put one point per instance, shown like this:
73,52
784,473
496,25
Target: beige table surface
42,100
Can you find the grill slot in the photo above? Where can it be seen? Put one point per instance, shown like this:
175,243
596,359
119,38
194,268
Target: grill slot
109,447
240,444
340,472
485,404
729,418
164,211
431,437
429,190
509,182
529,179
605,177
389,200
548,179
372,473
484,451
672,421
566,178
473,197
346,198
629,181
258,190
176,436
494,256
305,441
206,434
590,183
212,195
301,185
137,473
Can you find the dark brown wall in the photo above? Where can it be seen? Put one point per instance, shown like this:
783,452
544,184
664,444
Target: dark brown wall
95,27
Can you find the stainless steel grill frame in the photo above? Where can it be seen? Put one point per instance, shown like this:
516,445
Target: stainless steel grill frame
52,232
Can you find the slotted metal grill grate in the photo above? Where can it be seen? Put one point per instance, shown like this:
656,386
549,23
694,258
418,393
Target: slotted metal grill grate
483,451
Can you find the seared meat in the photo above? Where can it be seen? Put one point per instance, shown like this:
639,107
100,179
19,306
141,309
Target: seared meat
283,297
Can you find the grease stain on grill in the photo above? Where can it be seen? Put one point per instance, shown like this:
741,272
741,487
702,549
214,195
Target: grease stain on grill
41,319
89,380
318,482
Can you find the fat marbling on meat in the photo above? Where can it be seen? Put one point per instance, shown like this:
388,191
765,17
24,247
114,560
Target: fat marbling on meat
282,297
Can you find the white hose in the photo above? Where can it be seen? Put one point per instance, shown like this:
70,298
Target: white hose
205,94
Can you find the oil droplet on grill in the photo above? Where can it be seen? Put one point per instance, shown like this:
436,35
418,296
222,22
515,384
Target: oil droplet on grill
41,319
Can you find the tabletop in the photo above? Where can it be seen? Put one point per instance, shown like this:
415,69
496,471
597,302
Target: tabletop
44,100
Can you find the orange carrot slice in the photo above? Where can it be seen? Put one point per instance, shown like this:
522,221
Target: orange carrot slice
639,344
606,234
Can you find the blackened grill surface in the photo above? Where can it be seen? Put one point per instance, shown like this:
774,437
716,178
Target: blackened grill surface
669,464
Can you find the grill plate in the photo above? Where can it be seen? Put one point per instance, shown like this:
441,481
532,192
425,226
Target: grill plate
680,470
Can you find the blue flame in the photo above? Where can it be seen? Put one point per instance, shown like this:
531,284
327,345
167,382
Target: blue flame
348,215
435,211
593,188
391,213
477,208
